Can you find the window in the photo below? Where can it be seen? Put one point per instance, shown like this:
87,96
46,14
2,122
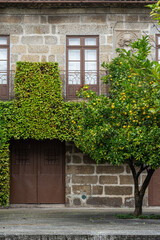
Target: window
82,65
158,47
4,67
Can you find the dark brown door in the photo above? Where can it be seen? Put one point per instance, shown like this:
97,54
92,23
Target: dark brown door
154,189
37,171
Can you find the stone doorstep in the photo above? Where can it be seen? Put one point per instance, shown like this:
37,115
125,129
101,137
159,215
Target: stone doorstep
61,206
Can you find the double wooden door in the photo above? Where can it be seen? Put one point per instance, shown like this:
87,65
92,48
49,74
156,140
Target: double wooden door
37,171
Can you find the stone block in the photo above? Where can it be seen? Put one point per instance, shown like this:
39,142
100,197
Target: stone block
93,18
79,189
32,40
145,18
118,190
68,158
9,29
105,49
128,170
63,19
68,179
38,49
14,39
68,190
129,202
131,18
58,49
50,40
43,58
117,25
138,26
30,58
97,190
44,19
51,58
62,40
31,19
10,19
102,40
53,29
115,18
84,179
73,169
18,49
76,158
13,67
104,58
108,180
60,59
126,179
110,169
109,39
14,58
77,202
37,29
91,29
88,160
105,201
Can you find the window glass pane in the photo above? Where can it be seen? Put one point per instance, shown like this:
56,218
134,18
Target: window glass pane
3,78
74,54
3,40
159,40
90,54
158,53
3,54
90,41
74,41
3,66
90,77
74,66
74,78
90,66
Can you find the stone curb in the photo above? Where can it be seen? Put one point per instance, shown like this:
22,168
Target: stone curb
79,237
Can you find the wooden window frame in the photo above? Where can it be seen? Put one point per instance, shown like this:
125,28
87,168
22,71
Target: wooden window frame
3,86
82,47
157,47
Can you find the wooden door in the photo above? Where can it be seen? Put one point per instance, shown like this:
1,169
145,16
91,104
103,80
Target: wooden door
37,171
154,189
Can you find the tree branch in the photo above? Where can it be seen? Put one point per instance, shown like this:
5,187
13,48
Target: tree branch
146,181
141,170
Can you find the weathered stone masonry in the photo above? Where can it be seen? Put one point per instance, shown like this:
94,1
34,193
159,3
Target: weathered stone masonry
40,35
89,184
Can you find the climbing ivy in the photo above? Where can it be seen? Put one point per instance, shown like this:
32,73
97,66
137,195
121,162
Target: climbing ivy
37,112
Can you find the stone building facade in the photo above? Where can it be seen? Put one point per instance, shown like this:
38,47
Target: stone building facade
92,185
39,34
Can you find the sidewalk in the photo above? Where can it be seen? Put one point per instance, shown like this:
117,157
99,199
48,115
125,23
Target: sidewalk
67,223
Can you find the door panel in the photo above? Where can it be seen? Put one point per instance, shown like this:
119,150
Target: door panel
154,189
23,172
37,171
51,173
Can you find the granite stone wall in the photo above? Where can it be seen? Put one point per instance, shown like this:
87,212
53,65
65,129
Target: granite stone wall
40,34
92,185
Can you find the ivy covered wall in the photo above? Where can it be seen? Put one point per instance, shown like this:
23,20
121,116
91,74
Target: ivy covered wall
37,112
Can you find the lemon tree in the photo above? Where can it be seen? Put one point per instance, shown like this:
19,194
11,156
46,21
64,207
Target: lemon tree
124,128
